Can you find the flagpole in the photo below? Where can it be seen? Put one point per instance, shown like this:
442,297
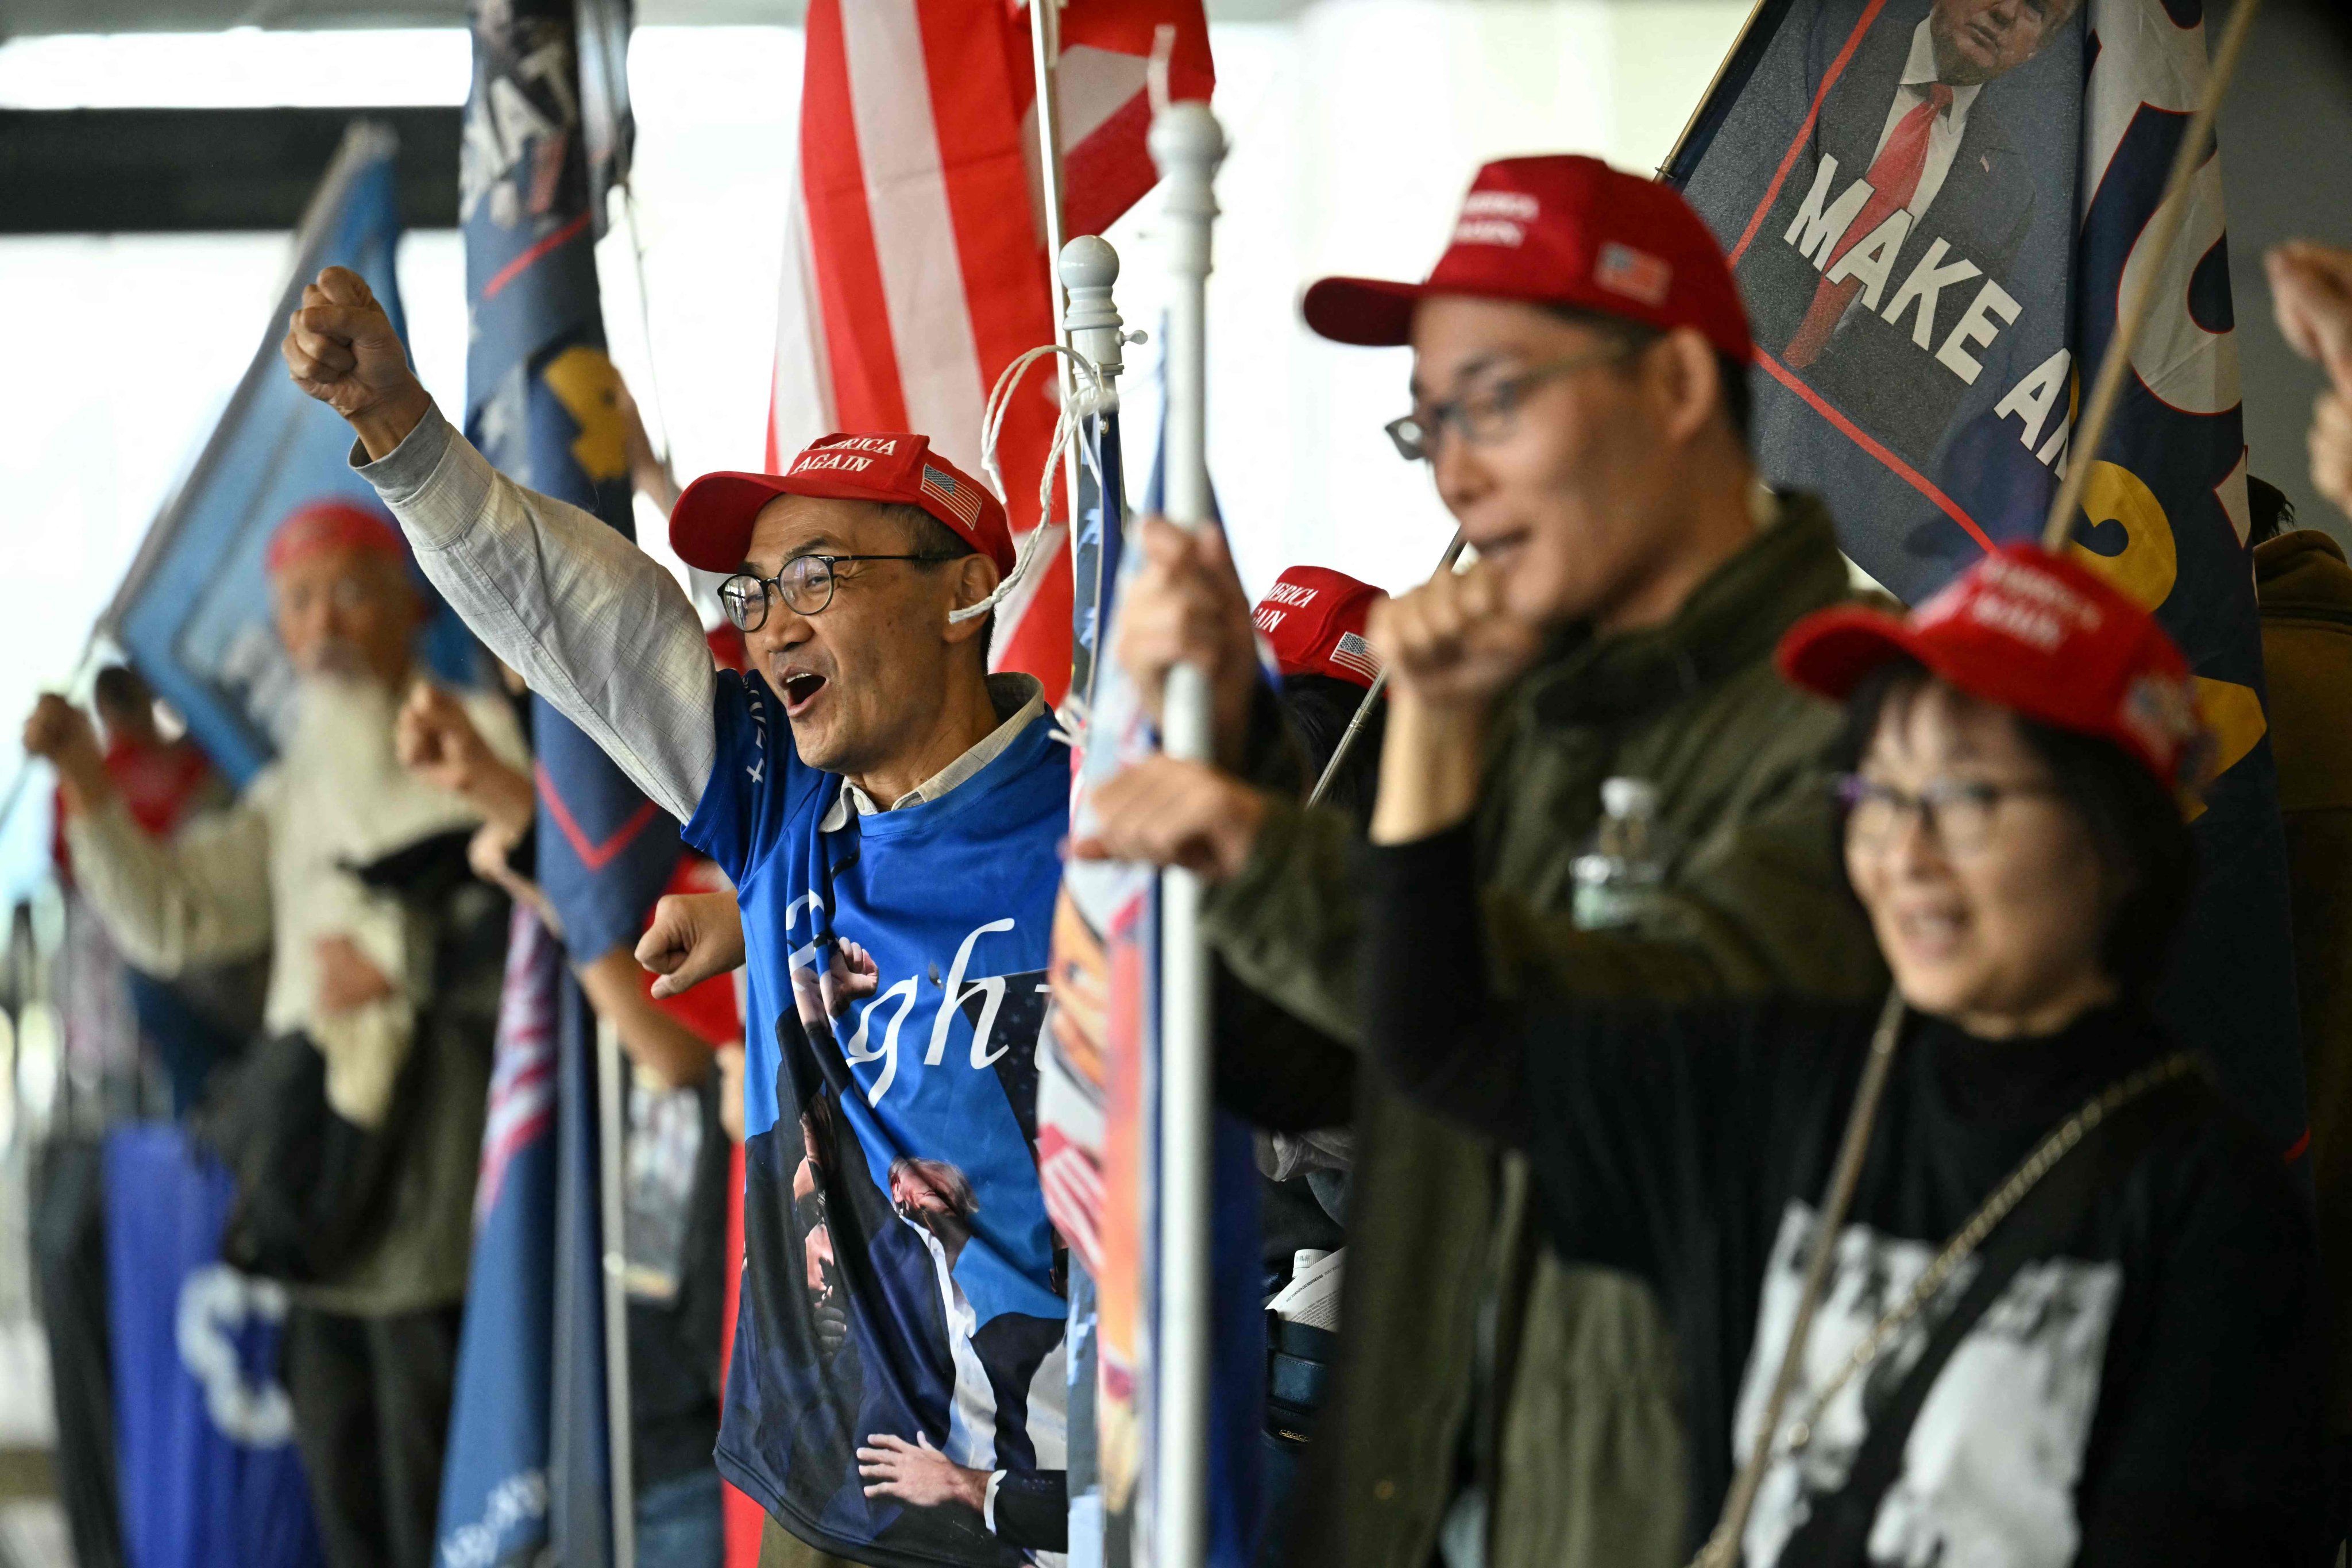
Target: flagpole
611,1126
2162,232
1372,698
1044,52
1187,144
1732,58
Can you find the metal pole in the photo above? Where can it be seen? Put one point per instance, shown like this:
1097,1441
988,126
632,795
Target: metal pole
1372,698
2163,230
611,1152
1187,144
1044,52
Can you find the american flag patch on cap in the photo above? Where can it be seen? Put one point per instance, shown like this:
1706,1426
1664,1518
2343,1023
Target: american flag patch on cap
1635,274
1352,652
960,497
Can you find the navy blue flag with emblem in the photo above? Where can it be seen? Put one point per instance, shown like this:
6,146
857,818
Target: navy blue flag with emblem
194,611
542,403
1933,207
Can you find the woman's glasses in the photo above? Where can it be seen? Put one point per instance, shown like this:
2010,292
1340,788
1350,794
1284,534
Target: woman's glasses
1957,812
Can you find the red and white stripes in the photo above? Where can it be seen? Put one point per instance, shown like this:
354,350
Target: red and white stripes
915,266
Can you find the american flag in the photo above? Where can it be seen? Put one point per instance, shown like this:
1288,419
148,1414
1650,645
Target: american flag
915,267
1354,653
1637,274
962,499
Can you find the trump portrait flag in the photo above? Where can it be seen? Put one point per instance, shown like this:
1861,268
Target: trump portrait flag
1934,209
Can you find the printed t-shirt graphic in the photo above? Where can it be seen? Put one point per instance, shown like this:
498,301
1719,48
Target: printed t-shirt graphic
1989,1468
902,1285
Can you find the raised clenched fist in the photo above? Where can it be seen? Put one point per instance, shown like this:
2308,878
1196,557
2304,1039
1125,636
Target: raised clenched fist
56,727
438,742
1452,643
692,937
60,733
340,347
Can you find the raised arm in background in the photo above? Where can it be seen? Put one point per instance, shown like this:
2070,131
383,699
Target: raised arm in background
590,622
201,897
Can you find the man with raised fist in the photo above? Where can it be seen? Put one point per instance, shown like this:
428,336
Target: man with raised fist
880,801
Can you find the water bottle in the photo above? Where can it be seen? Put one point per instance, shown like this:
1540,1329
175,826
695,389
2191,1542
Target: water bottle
1626,859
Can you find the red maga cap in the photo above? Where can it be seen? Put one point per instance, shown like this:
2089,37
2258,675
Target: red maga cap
1313,618
2043,635
1558,230
710,527
335,524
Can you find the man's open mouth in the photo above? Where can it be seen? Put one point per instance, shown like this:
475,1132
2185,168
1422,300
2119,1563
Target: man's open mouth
800,687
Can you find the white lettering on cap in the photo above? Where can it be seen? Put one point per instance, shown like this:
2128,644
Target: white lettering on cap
1289,593
882,445
2028,623
1488,231
816,462
1500,204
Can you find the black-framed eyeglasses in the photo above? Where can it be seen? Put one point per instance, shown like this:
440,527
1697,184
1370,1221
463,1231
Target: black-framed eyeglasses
1958,813
807,584
1489,413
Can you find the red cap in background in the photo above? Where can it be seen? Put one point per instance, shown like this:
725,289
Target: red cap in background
1558,230
710,527
1313,618
333,524
2040,635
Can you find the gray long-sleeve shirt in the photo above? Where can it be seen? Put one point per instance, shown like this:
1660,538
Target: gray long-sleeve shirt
590,622
594,625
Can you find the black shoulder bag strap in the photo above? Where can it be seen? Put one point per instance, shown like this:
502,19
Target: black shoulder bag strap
1836,1532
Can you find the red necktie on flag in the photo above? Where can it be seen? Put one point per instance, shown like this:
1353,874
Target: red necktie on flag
1893,179
915,266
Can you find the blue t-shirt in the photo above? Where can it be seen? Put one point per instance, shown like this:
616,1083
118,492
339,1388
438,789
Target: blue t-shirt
902,1287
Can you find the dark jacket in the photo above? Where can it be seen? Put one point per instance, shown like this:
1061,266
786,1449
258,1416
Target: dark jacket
2305,591
2138,1386
1579,1446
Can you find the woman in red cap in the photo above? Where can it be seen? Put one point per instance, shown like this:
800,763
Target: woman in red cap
2067,1312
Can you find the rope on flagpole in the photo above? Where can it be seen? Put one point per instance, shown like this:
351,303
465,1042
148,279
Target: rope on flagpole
1065,425
2158,238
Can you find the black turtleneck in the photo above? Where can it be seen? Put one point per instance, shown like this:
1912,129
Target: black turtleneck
2146,1393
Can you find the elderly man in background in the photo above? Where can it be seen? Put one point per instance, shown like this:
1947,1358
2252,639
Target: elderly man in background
371,1339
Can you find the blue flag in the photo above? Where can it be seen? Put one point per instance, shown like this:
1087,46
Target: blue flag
204,1429
1932,225
193,612
494,1486
542,403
